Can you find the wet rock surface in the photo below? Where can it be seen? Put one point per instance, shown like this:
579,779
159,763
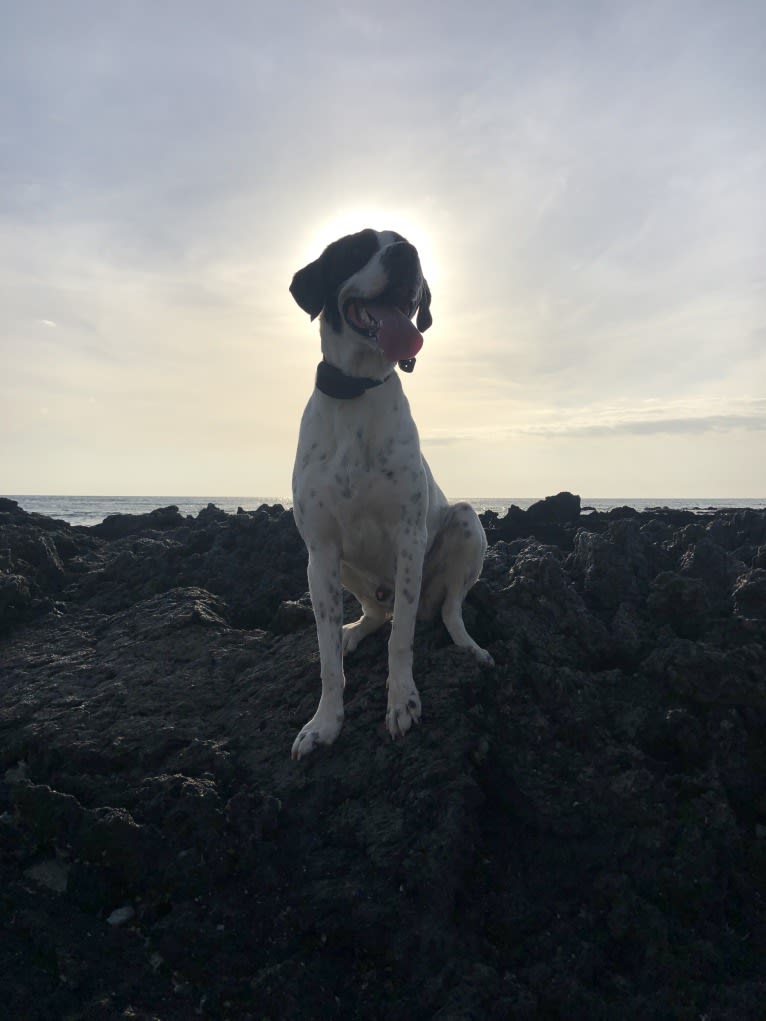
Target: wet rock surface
579,832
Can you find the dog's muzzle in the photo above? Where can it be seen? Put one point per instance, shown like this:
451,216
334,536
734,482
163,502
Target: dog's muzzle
387,322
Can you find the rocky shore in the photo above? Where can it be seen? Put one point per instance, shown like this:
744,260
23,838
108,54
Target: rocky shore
579,832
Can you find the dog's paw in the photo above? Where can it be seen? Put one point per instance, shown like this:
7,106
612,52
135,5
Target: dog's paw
403,709
354,633
483,658
351,638
319,730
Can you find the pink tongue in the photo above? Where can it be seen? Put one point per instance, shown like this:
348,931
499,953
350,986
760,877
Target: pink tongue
396,334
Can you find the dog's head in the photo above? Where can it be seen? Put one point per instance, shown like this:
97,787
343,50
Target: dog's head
368,286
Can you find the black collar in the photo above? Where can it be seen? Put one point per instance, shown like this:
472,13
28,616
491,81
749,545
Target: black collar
331,381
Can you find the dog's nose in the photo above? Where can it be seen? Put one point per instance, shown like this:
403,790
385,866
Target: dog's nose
400,250
401,261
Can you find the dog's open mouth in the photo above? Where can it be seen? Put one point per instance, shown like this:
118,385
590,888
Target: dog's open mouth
387,321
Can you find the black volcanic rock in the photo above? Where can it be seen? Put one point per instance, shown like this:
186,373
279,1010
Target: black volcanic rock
16,600
578,833
561,508
117,526
253,561
610,568
553,520
750,594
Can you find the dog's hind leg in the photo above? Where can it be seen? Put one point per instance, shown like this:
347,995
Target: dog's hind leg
373,618
326,598
376,608
452,615
454,565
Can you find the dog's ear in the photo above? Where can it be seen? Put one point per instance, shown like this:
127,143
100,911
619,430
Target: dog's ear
308,288
424,319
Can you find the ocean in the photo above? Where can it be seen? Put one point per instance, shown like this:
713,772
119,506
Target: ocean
90,510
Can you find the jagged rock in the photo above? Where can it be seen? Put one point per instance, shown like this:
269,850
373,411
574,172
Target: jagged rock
750,594
620,513
611,568
680,602
552,520
292,616
15,600
560,508
253,561
117,526
715,568
542,603
575,833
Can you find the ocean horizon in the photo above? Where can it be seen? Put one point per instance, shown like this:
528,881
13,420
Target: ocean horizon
91,510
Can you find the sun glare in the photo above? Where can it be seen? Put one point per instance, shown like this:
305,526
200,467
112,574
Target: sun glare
356,217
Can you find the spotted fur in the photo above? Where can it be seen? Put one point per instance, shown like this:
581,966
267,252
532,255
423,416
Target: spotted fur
365,501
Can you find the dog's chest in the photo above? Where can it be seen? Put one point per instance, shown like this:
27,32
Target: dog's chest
364,473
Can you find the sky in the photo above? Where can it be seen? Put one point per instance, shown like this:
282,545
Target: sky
584,182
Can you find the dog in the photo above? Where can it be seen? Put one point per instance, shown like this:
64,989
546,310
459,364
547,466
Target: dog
365,502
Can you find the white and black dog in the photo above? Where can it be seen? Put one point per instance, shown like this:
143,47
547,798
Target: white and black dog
365,502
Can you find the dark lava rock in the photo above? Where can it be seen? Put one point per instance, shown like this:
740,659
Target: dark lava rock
15,600
292,615
117,526
680,602
750,594
553,520
610,568
578,833
560,508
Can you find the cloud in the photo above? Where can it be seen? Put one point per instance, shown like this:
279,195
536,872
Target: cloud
699,416
587,179
651,427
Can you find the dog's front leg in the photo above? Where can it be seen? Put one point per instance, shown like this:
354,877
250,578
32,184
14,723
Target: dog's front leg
403,698
326,598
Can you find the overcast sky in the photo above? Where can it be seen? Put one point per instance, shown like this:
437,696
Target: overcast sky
585,182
